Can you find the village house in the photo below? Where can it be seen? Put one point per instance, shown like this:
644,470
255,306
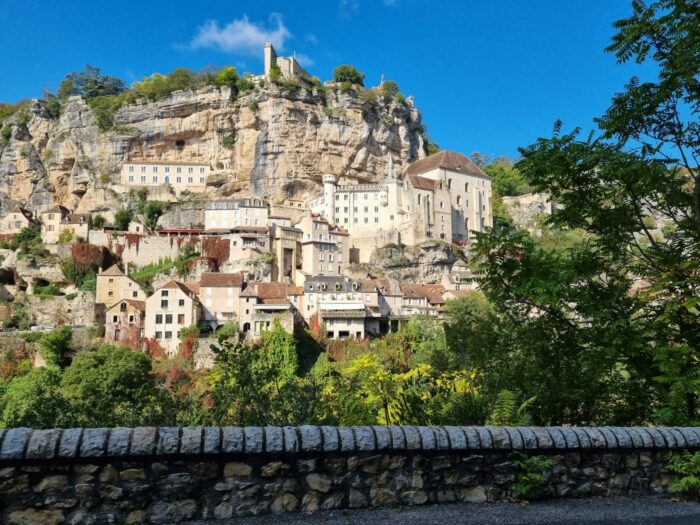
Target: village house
114,285
325,247
388,316
78,224
125,322
180,176
172,307
51,223
225,215
336,303
17,220
263,303
220,297
423,299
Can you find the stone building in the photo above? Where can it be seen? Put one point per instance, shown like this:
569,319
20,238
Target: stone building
17,220
224,215
220,296
51,223
113,285
286,245
78,224
423,299
288,66
125,322
337,303
263,303
180,176
444,196
172,307
325,248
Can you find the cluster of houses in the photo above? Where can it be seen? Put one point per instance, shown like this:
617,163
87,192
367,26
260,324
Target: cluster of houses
444,197
342,307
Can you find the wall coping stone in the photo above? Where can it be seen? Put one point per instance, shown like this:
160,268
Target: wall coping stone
18,444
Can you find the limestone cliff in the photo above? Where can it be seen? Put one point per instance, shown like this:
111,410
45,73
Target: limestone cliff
271,141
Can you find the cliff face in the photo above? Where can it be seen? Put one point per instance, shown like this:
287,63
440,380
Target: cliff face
269,142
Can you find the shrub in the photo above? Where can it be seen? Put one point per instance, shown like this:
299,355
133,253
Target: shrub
226,76
48,290
81,269
229,140
275,73
122,219
390,88
99,222
65,237
347,73
253,106
530,481
688,466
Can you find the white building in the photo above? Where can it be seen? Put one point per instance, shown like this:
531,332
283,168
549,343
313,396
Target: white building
180,176
325,248
337,303
171,307
288,66
229,214
444,196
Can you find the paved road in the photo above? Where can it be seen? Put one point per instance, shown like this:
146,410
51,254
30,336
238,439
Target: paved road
622,511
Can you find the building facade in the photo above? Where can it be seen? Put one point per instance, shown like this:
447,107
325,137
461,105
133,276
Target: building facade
113,285
51,224
171,307
17,220
220,294
229,214
125,322
180,176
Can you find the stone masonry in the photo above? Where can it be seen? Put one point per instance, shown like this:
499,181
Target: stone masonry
167,475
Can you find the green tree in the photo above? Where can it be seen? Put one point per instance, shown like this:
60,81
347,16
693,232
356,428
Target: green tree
258,384
226,76
390,88
55,347
90,83
347,73
34,400
122,219
112,386
506,180
99,222
152,211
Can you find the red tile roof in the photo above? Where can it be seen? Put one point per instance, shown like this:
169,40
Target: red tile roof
220,280
445,159
431,292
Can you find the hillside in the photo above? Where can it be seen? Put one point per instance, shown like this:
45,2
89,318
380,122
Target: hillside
273,141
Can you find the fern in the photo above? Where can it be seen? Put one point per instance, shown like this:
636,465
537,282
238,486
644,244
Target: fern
506,411
688,465
530,481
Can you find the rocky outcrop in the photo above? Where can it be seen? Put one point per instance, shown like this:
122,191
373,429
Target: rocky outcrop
270,142
527,211
426,263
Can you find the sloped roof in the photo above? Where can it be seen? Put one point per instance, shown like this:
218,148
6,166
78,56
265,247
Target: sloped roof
388,286
220,280
272,291
75,218
431,292
112,271
23,211
445,159
58,209
139,305
170,285
422,183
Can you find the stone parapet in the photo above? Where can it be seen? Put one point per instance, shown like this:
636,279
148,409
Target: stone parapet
20,444
169,474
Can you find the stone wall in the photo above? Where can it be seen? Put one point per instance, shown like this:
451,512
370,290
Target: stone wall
166,475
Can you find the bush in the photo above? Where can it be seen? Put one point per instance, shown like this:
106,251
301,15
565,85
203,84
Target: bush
390,89
226,76
48,290
151,211
33,400
81,269
122,219
99,222
65,237
55,347
347,73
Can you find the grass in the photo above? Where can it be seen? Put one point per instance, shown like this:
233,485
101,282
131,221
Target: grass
145,275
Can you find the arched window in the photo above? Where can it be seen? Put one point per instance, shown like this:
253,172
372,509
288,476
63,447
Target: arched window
459,200
466,186
442,204
449,183
246,327
418,200
167,179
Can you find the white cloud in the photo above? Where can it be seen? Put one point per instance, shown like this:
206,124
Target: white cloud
311,38
347,7
241,36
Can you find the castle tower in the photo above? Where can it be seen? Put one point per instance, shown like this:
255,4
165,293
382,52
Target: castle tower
270,57
329,184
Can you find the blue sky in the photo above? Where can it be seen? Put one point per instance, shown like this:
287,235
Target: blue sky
488,75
